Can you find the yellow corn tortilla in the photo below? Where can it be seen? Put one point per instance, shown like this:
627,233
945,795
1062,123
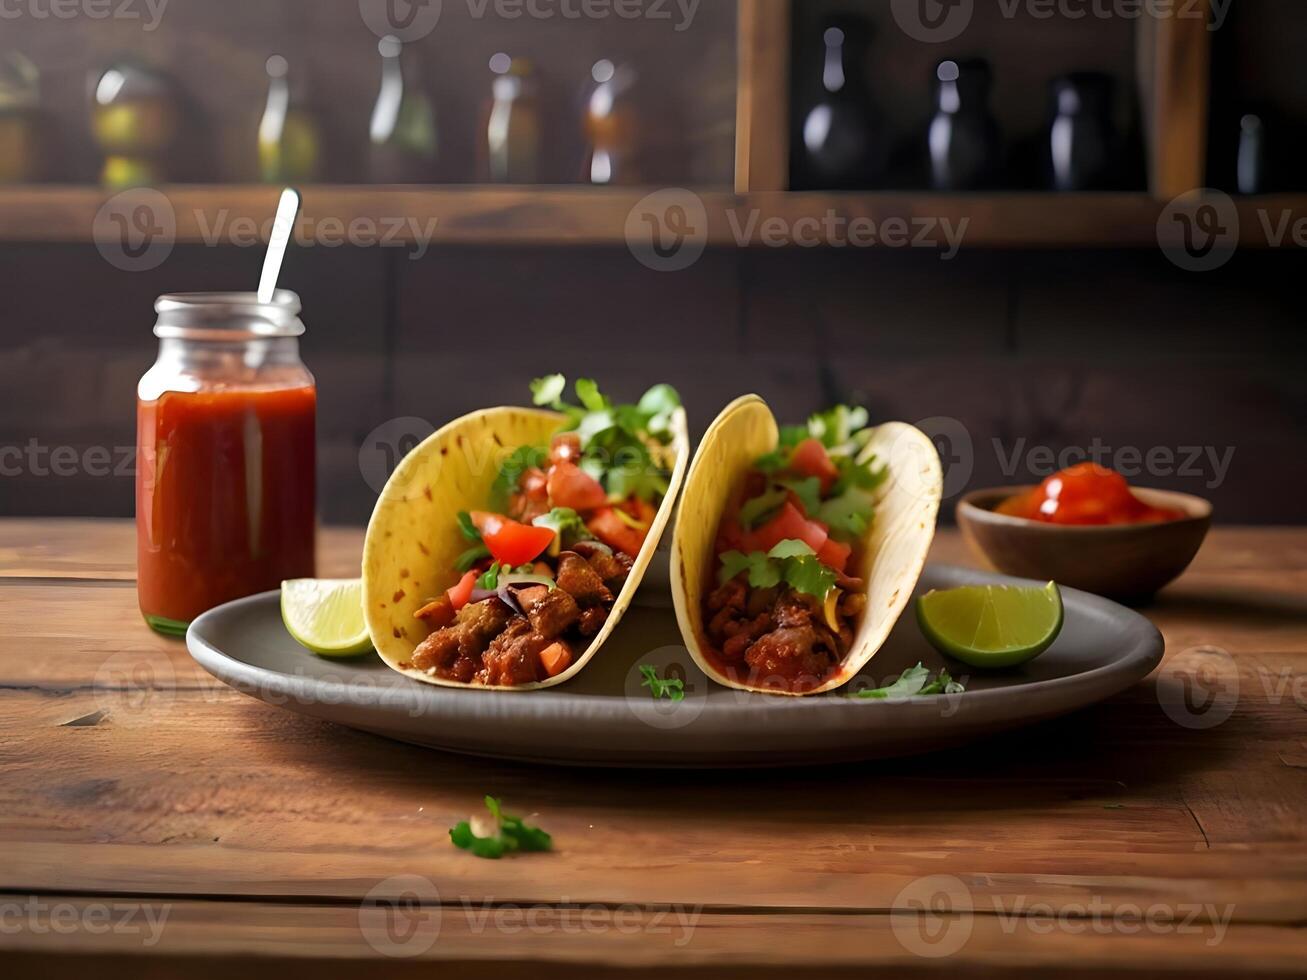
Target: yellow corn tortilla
413,537
894,549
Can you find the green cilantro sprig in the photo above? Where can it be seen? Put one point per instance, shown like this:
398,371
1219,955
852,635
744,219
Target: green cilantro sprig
615,438
914,682
475,554
510,834
791,562
566,523
490,578
673,688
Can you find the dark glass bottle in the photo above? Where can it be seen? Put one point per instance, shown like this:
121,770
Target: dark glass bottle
510,151
1082,143
610,126
841,143
963,140
402,136
1251,164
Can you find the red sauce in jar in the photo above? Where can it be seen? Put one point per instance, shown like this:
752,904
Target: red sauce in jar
224,497
1086,495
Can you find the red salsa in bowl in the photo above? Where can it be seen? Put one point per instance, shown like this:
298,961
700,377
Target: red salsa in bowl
1086,495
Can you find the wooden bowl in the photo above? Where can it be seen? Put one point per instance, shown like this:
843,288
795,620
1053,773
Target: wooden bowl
1127,562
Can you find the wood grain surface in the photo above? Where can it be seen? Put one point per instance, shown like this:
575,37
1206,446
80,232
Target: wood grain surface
153,821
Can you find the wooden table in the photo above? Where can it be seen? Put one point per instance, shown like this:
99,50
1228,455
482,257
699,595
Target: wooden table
154,822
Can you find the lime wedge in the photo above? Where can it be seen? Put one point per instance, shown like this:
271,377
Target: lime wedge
992,625
326,615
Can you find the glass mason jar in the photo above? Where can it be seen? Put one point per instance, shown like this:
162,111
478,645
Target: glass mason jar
226,455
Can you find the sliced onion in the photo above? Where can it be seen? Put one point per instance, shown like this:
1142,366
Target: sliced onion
509,582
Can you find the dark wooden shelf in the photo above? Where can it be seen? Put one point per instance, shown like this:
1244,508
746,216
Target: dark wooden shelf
561,216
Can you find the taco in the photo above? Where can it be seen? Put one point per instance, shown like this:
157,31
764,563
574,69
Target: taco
506,547
796,550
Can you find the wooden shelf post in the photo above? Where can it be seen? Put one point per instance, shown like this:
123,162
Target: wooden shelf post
762,119
1180,81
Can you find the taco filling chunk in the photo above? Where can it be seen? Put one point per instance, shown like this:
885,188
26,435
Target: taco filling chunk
548,556
787,600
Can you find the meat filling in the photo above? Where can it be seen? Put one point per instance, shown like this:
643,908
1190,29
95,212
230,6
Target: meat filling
490,643
779,638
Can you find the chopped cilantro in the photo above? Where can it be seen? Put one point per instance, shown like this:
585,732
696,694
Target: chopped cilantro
791,562
792,435
490,580
848,515
566,523
838,425
510,474
548,391
754,511
510,834
809,576
673,688
914,682
467,527
590,396
472,557
808,491
791,549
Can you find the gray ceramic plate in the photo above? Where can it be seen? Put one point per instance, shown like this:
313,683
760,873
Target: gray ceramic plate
605,717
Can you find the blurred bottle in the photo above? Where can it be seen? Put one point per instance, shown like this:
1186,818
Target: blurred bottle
404,140
20,136
288,137
134,119
963,140
1082,146
511,153
610,126
1251,165
842,143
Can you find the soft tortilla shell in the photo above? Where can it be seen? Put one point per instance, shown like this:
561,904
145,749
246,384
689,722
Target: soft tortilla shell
895,549
413,539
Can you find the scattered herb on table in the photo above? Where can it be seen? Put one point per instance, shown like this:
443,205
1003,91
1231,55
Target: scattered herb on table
914,682
672,688
501,834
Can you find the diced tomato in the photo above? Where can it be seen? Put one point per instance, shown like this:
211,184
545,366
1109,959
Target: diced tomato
509,542
555,659
811,459
461,594
566,448
570,486
535,485
484,522
614,532
790,525
835,554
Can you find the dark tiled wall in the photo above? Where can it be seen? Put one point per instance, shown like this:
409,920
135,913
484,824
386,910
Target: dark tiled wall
1011,356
